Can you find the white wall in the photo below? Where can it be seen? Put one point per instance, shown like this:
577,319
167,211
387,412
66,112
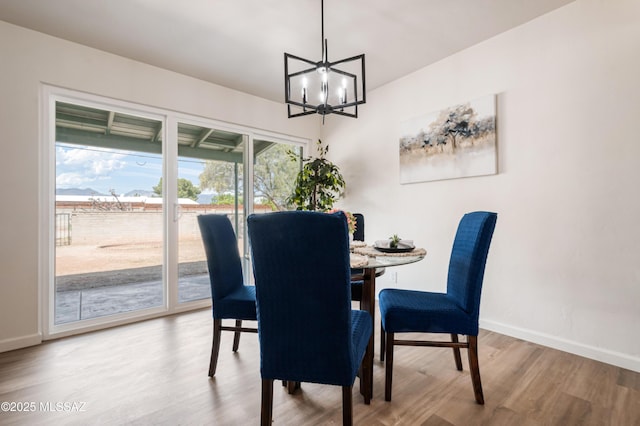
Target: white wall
27,59
564,266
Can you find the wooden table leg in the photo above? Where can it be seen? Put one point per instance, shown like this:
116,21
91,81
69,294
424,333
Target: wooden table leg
368,304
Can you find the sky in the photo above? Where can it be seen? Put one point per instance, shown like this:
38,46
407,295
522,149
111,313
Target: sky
104,169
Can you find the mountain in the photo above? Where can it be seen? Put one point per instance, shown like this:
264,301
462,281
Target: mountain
77,191
140,193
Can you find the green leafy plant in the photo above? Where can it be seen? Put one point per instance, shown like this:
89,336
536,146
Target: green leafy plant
394,240
318,184
186,189
226,199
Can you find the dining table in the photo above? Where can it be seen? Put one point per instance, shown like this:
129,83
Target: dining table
367,263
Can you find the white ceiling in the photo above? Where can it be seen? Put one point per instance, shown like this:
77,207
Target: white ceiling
241,43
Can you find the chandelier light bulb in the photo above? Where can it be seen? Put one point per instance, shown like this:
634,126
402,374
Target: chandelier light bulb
323,96
304,90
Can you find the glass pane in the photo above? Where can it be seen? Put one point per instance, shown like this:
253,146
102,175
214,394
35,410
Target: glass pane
209,181
109,213
274,175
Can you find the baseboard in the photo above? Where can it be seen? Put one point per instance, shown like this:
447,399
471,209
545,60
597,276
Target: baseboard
599,354
20,342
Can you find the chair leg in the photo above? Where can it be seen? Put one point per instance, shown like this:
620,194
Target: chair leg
292,386
388,368
456,352
347,406
266,410
236,336
366,374
475,368
382,342
215,346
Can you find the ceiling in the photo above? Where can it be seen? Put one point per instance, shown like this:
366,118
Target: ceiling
240,44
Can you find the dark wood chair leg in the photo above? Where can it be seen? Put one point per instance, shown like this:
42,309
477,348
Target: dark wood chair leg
292,386
215,346
236,336
456,352
382,342
266,411
347,406
366,375
388,378
475,368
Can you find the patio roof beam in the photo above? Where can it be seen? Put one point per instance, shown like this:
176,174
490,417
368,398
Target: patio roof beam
78,137
110,121
203,135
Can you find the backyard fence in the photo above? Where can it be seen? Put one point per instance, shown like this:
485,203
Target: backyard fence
63,229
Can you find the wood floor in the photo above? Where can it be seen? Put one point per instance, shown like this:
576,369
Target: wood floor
155,372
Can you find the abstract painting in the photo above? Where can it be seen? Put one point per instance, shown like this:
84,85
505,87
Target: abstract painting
459,141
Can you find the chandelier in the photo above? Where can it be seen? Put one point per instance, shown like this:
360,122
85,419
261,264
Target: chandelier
323,87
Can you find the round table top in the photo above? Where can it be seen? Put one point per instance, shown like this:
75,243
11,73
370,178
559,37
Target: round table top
369,257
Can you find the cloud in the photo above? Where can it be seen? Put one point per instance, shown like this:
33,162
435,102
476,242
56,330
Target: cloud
96,160
189,172
78,166
70,180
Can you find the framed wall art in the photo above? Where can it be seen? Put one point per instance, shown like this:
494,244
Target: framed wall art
459,141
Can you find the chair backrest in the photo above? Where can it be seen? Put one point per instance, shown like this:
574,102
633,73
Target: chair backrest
468,259
223,258
302,274
358,235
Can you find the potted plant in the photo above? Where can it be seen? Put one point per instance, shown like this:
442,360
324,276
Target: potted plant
318,184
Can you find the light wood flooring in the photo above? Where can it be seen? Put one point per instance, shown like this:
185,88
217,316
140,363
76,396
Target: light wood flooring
155,372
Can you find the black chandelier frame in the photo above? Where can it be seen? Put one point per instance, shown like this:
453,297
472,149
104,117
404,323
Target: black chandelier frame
325,66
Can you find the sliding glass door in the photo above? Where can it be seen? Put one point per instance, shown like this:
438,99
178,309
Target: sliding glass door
108,213
215,159
130,181
210,181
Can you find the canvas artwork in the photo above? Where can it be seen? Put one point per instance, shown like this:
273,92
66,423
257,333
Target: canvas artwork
459,141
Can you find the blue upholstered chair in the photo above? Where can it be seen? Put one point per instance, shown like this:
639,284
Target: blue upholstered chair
230,297
307,329
454,312
358,235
